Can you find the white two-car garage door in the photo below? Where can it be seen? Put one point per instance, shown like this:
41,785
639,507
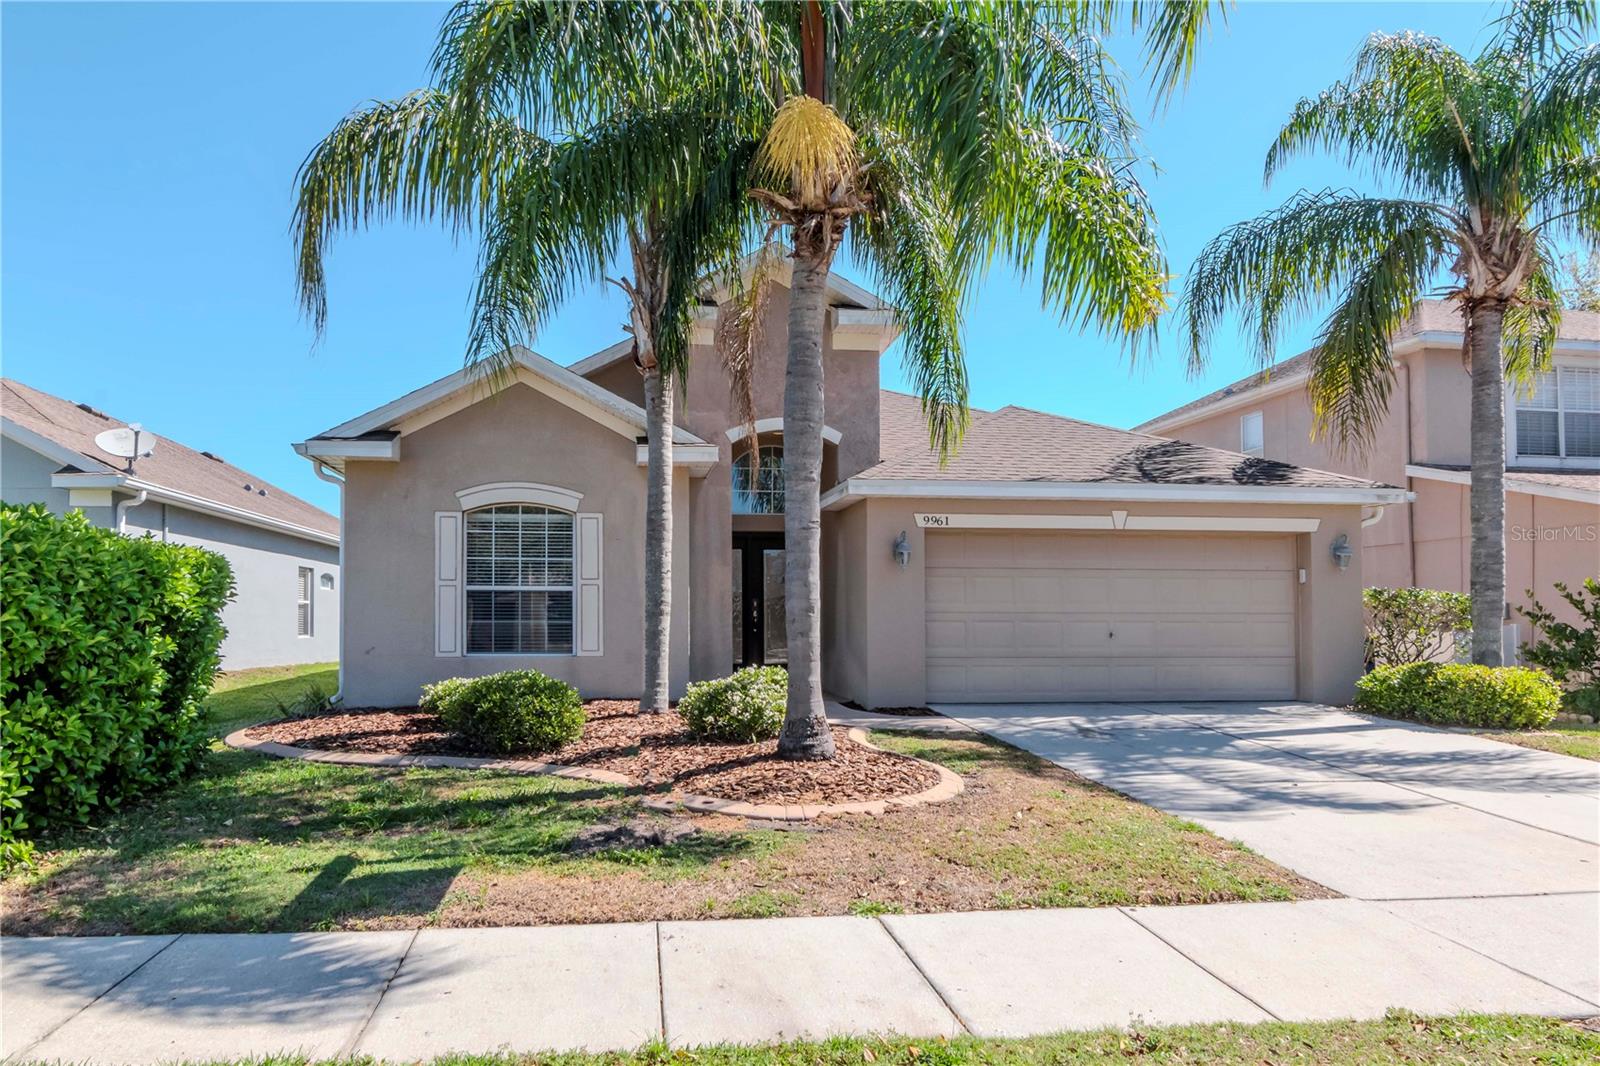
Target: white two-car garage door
1014,616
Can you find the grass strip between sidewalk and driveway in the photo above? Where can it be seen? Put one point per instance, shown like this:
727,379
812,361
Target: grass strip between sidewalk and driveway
1401,1037
1580,739
256,844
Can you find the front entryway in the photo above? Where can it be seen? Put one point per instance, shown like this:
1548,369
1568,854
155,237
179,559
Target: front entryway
759,634
1018,616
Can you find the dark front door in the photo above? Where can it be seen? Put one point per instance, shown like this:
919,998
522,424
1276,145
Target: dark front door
759,636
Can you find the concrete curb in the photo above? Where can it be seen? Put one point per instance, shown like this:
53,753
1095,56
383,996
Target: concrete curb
948,786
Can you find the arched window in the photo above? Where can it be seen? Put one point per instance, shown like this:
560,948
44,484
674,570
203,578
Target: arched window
519,584
759,491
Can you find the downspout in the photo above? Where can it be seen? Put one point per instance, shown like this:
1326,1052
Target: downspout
1377,513
1411,452
321,471
126,505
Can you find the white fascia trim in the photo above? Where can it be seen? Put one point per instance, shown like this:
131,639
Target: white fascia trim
317,448
162,494
1123,520
857,330
699,458
775,425
1512,484
519,492
590,399
1454,338
1275,385
843,495
58,453
603,358
90,498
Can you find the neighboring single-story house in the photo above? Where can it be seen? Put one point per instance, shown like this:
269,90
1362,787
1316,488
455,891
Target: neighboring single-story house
1424,443
1052,559
283,550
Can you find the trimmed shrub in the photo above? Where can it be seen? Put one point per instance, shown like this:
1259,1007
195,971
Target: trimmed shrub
108,648
510,712
744,707
1412,625
1486,697
1570,652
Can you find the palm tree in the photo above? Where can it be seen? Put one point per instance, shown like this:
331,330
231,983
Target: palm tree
1493,161
942,134
562,133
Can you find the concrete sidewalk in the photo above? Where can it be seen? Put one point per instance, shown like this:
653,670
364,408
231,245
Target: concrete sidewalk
413,995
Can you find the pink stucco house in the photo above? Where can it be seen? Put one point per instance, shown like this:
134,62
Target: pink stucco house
1552,457
1052,559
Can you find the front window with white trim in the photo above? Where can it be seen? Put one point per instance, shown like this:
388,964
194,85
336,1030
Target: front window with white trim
1252,438
1560,417
519,581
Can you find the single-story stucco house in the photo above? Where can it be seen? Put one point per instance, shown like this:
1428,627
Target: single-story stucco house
284,551
486,529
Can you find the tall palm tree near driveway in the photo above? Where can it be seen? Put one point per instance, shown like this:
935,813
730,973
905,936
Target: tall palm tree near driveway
565,135
941,135
1493,163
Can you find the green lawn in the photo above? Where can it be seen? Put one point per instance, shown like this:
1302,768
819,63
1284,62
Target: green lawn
1483,1040
243,697
1569,738
253,843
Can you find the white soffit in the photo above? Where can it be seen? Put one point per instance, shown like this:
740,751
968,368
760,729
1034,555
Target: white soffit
1512,483
1123,520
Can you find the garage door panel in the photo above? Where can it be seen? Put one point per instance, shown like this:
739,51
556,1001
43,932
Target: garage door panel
1110,616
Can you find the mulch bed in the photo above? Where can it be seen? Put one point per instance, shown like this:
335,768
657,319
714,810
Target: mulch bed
653,749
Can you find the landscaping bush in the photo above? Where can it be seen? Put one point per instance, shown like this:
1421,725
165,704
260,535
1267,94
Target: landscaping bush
744,707
1487,697
509,712
1412,625
1570,652
108,648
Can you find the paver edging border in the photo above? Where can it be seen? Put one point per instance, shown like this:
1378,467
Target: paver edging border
949,785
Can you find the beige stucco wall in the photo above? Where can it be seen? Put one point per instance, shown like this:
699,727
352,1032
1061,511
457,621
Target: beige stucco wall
874,637
1424,543
515,435
704,407
1547,540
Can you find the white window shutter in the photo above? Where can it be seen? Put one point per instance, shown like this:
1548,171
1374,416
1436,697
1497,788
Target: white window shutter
590,566
447,583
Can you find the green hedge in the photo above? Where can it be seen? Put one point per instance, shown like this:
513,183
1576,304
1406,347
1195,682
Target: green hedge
744,707
1486,697
508,713
108,648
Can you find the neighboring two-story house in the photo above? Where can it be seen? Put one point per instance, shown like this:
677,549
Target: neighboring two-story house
284,551
1552,456
490,528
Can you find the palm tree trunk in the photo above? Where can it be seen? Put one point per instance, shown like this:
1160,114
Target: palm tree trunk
657,541
805,725
1488,577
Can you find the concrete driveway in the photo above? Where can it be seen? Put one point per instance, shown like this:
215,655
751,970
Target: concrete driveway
1374,809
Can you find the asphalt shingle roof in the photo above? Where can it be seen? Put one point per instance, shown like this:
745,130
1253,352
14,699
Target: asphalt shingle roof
1018,444
173,465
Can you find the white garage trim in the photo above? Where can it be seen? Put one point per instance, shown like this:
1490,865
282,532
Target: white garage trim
859,488
1122,520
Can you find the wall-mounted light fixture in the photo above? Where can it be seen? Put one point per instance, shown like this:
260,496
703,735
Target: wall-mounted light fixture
1341,551
902,550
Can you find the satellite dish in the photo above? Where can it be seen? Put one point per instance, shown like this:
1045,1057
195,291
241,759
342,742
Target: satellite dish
125,442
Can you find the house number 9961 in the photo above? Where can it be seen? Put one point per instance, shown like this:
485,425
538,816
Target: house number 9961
927,520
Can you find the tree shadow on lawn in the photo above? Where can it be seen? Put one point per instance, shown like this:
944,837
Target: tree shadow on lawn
257,844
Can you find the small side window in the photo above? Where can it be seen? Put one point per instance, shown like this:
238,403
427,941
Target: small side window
1251,441
302,621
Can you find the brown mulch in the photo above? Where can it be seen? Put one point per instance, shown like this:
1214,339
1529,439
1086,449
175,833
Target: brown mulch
653,749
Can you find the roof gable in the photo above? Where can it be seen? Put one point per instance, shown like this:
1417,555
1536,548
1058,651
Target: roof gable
453,392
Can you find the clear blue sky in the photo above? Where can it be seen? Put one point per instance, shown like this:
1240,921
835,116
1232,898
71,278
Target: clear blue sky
148,157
